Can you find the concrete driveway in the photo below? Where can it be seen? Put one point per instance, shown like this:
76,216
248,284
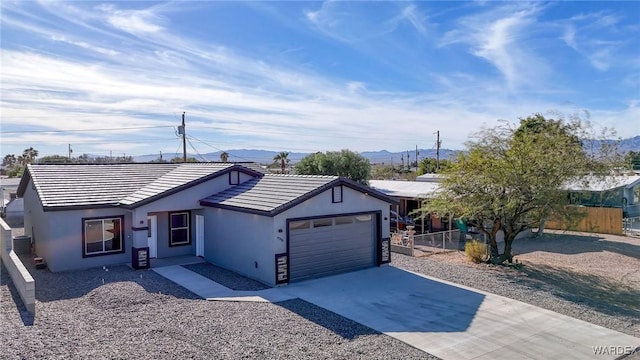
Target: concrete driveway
444,319
455,322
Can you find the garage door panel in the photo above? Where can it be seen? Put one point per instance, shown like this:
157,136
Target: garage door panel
330,239
338,229
308,257
330,248
325,250
332,244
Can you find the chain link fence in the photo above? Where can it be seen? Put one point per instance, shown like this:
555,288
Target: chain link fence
408,243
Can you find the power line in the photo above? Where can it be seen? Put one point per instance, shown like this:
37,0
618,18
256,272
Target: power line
197,152
84,130
239,157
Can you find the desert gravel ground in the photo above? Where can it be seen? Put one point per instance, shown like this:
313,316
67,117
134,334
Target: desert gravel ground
121,313
142,315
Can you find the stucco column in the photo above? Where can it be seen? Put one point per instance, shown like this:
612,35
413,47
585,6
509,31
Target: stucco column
139,228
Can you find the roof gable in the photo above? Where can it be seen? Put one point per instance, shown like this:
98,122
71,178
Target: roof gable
273,194
183,176
68,186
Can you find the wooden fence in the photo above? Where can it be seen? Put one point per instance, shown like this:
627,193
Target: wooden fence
597,220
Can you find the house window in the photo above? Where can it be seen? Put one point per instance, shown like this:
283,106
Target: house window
336,193
179,233
344,220
234,177
322,222
102,236
296,225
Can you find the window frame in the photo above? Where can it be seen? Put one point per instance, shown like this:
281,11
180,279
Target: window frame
337,194
188,228
234,177
120,219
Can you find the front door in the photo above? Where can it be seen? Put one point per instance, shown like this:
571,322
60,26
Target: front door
152,235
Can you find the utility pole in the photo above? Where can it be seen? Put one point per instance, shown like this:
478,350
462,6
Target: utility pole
417,157
408,161
70,151
184,140
438,151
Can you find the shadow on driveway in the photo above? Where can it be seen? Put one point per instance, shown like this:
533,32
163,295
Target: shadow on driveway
335,323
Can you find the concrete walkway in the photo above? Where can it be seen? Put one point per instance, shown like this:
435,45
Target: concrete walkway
211,290
444,319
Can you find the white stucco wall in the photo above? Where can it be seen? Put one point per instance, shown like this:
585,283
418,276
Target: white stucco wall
239,241
64,238
34,214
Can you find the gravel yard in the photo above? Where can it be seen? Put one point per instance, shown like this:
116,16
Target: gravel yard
142,315
120,313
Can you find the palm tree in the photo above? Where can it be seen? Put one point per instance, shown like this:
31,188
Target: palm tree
28,156
282,158
224,156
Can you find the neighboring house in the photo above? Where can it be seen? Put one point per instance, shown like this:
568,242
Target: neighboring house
433,178
410,195
620,191
272,228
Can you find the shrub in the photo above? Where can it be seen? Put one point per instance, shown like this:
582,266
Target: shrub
476,251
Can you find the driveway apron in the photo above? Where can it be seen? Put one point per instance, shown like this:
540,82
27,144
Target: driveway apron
451,321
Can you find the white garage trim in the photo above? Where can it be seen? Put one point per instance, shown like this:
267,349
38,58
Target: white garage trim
331,244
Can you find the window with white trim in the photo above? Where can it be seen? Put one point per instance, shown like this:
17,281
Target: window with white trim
102,236
179,230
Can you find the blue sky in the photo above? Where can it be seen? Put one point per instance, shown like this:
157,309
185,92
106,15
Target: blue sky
307,76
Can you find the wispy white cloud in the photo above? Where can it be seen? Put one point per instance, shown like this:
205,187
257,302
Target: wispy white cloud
499,35
85,45
236,99
584,33
133,21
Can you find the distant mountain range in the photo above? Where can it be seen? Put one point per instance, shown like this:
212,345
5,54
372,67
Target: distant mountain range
266,156
375,157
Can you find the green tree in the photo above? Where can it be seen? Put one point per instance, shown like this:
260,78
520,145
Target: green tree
511,177
283,159
28,156
9,160
632,159
430,166
178,159
224,156
345,163
54,159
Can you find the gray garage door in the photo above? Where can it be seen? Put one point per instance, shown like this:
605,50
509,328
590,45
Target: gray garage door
328,246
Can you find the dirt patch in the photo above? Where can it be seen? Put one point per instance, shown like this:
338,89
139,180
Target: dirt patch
601,271
610,257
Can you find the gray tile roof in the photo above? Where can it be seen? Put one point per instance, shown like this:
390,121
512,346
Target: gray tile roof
65,186
174,180
272,194
269,192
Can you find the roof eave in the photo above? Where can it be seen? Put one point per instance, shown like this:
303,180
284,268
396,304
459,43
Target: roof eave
191,184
